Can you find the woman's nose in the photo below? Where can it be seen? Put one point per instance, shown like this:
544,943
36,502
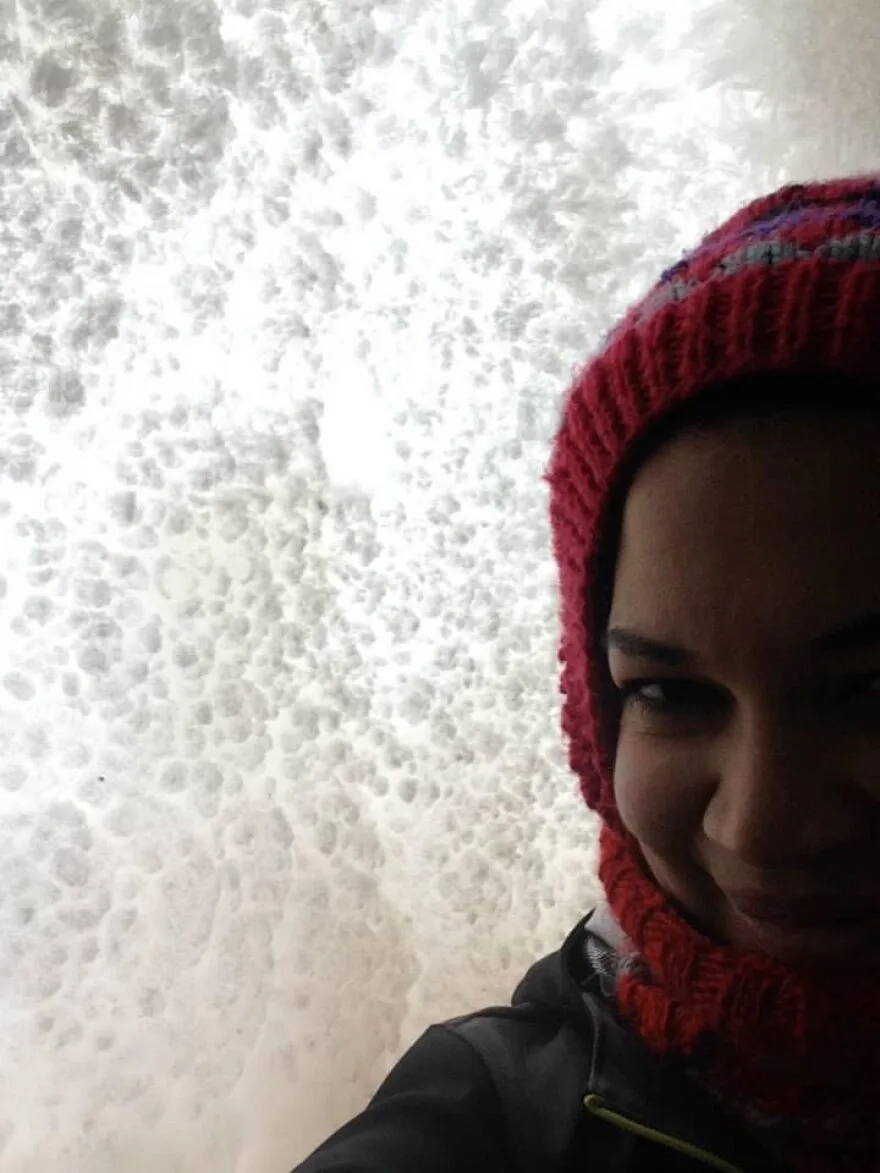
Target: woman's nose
777,800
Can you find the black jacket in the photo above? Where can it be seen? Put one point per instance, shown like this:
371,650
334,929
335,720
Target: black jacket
551,1084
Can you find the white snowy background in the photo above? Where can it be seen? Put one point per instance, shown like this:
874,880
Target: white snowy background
290,293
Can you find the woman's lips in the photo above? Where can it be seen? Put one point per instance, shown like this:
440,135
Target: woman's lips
814,929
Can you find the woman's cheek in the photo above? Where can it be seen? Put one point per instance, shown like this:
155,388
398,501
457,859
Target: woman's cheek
658,794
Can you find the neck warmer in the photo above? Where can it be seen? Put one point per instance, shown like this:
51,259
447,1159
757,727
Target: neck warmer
772,1043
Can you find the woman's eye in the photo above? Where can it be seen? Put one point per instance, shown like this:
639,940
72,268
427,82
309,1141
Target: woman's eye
668,697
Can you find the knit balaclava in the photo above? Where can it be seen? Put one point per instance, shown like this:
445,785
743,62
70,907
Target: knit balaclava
789,285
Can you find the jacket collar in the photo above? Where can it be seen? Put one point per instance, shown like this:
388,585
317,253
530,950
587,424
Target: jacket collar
634,1083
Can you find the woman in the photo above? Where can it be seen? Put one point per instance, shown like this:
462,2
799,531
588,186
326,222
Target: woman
715,504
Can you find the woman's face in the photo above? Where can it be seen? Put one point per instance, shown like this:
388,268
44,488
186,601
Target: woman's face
744,633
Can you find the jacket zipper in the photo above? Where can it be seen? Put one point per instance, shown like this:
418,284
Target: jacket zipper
596,1106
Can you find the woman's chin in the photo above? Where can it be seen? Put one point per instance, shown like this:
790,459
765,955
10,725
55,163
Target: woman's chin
822,945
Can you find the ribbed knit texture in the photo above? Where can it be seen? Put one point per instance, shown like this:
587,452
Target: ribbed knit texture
790,283
771,1042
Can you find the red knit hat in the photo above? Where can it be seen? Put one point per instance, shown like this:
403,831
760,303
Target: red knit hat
790,283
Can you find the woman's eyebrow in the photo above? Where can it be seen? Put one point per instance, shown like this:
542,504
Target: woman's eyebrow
623,639
860,633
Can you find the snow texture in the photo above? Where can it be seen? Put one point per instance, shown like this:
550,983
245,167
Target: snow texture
291,293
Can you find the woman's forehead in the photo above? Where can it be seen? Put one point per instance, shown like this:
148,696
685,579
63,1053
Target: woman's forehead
771,523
